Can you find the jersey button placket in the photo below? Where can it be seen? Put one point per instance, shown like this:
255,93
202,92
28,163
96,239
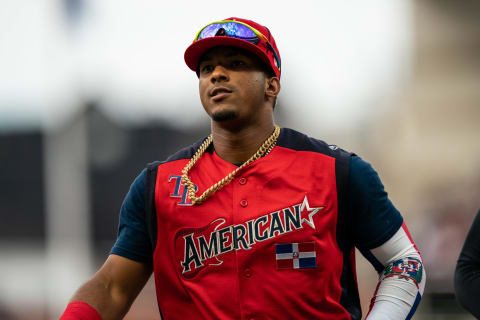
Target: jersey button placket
242,211
242,181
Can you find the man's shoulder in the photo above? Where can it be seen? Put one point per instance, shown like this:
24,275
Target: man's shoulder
299,141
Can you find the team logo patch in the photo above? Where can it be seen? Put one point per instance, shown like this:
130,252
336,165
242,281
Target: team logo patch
408,269
296,255
180,191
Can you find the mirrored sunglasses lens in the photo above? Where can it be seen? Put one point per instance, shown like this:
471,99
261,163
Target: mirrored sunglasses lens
210,31
238,30
235,30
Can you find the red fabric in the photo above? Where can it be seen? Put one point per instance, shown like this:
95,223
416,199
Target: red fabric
404,226
306,246
79,310
285,264
372,302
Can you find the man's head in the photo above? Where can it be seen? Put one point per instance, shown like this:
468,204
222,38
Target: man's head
235,32
238,68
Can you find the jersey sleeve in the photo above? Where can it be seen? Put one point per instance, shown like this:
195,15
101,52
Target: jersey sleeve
467,271
133,239
372,217
379,232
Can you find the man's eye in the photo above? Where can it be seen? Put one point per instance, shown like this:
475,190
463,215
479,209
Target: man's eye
207,68
237,63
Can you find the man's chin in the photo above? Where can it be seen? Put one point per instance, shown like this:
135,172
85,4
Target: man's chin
224,115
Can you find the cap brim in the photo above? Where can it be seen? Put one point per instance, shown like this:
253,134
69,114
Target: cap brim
195,51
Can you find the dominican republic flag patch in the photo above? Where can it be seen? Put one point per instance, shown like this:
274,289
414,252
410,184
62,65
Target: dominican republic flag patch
296,255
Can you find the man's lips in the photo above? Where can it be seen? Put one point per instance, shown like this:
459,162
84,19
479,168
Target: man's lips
218,93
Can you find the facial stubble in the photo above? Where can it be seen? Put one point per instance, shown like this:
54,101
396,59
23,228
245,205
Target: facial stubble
224,115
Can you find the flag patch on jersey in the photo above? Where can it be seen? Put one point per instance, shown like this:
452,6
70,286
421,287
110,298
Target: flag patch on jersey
296,255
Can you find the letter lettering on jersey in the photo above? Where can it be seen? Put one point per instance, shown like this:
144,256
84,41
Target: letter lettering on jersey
204,243
292,220
191,254
275,225
258,236
185,201
211,249
176,190
239,231
222,239
251,236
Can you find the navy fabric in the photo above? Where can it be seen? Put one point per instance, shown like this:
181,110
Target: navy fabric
373,218
133,241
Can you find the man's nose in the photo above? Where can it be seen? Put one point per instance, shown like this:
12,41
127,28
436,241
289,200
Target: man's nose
220,73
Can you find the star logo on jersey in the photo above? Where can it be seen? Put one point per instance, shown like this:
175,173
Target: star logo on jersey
311,212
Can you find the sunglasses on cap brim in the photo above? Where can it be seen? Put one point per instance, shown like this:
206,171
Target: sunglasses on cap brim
237,30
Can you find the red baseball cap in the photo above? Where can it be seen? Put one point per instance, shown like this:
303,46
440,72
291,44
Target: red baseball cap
265,48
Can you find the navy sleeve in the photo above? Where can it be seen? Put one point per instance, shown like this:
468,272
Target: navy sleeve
373,218
467,271
133,240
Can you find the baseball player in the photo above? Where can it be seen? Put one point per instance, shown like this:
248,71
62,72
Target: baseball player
254,221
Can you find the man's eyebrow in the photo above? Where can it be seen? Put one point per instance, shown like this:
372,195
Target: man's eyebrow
207,58
234,54
204,58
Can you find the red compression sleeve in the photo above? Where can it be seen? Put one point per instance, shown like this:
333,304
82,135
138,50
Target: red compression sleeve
78,310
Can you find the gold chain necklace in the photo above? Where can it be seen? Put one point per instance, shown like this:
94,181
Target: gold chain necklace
264,149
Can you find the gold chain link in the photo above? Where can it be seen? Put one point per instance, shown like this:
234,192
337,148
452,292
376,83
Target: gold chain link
266,146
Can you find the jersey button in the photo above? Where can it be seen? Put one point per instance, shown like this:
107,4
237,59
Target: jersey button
244,203
242,180
248,274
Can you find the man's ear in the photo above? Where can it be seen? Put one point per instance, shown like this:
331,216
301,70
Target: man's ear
272,87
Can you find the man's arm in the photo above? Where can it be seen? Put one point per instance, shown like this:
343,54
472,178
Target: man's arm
381,235
114,287
467,272
401,277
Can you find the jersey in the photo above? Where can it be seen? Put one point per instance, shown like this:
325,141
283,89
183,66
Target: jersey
277,242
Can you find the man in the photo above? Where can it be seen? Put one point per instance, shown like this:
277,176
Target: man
254,222
467,272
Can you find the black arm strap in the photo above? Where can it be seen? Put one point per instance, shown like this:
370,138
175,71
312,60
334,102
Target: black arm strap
342,172
350,299
150,210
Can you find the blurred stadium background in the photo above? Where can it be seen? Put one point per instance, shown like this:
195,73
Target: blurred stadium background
91,91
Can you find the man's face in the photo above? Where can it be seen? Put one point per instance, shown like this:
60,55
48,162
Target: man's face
232,84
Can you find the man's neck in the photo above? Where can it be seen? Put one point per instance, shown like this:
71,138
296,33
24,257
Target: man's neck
238,146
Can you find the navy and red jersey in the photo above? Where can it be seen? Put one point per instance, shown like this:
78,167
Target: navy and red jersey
277,242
